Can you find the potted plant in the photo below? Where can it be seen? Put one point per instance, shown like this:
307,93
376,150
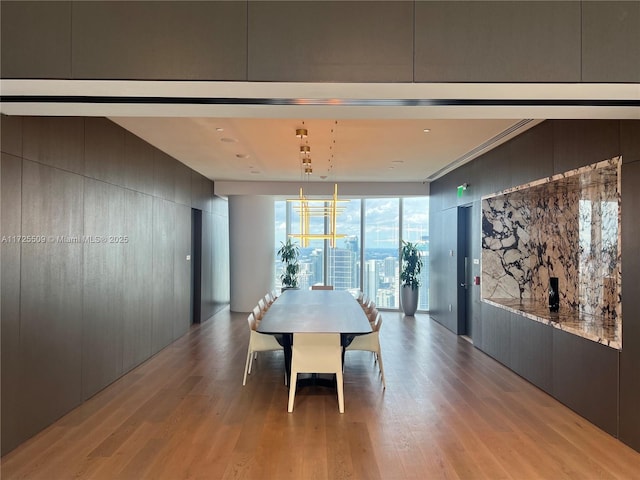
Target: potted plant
288,254
410,277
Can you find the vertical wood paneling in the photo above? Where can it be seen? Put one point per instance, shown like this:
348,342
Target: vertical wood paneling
138,164
39,34
10,217
164,177
583,142
630,140
104,151
188,40
87,312
585,378
102,342
331,41
182,271
57,142
531,346
163,245
137,279
182,184
496,333
11,135
610,38
497,41
630,355
50,295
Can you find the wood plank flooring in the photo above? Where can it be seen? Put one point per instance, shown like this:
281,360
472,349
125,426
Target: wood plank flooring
449,411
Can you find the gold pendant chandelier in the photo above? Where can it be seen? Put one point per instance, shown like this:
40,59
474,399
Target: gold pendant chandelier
307,208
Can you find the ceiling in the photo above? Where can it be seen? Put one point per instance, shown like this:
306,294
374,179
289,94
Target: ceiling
245,132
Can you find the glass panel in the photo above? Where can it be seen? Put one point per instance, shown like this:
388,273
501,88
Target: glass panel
280,215
381,225
344,260
415,229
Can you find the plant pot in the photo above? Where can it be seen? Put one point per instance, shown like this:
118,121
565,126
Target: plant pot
409,300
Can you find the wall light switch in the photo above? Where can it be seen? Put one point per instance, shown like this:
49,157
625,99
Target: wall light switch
451,253
476,261
188,257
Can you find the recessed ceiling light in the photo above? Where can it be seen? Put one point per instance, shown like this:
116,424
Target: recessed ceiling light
242,155
219,129
228,140
426,130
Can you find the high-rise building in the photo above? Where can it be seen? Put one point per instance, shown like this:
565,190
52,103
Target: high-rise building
342,267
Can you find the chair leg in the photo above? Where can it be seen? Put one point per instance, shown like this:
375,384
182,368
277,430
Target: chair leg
251,357
247,366
339,382
292,390
384,385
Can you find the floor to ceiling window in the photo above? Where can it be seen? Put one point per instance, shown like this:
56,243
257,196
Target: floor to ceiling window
380,256
367,256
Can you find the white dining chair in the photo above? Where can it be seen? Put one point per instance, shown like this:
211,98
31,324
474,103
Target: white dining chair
258,342
316,353
370,342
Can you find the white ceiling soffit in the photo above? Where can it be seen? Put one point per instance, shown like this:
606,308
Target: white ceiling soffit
239,132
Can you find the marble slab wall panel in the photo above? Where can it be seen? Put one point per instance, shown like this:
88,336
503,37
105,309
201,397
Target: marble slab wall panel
565,226
506,247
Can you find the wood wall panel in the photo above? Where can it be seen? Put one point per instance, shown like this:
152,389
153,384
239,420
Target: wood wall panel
630,140
39,34
137,275
89,312
187,40
163,245
630,355
57,142
531,155
497,41
610,37
583,142
10,218
182,271
201,192
50,295
182,175
138,164
585,378
531,346
164,176
496,333
11,135
104,150
443,225
102,328
320,41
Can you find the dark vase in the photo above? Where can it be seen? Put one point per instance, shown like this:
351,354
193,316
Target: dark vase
554,295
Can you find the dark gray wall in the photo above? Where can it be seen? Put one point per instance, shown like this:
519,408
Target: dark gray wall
316,41
76,316
598,382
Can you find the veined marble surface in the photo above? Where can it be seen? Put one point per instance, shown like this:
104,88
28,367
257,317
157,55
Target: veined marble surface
581,324
564,226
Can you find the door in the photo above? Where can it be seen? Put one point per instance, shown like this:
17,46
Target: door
196,265
465,271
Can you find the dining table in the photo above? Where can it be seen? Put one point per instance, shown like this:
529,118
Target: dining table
313,311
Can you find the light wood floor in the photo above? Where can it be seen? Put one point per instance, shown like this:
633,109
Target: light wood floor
449,411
